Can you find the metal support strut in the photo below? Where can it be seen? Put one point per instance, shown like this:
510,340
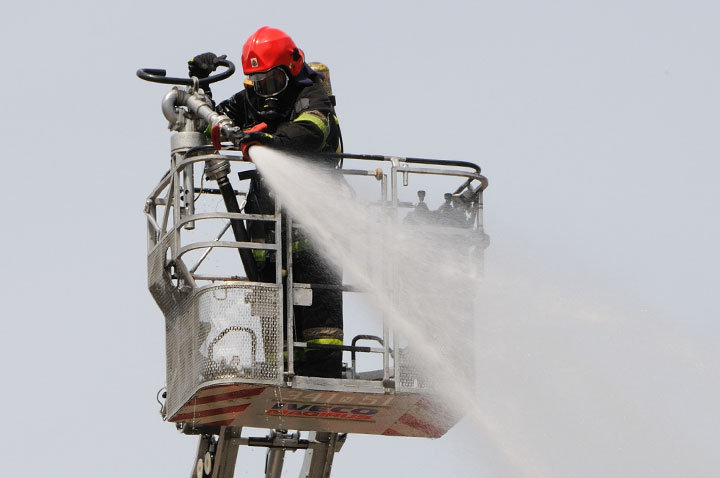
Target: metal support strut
319,458
216,457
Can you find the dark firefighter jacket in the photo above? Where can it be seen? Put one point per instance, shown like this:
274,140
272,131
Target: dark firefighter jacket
309,125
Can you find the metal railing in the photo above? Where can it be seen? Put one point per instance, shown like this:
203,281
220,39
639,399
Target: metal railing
175,193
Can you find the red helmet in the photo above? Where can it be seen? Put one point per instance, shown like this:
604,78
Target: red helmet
268,48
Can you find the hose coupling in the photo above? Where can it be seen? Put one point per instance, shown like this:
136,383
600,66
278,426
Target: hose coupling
216,168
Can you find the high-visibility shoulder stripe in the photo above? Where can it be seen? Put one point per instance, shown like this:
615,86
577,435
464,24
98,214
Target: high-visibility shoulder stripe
316,119
337,123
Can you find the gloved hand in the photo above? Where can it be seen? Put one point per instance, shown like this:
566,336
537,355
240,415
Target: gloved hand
252,138
203,64
256,137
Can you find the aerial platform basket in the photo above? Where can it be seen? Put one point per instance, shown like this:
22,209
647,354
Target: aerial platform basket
251,389
226,345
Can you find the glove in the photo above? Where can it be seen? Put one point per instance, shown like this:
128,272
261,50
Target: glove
256,137
252,138
203,64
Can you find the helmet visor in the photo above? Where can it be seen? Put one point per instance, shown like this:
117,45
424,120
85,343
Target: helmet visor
270,83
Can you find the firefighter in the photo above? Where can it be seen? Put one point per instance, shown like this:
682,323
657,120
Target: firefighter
285,94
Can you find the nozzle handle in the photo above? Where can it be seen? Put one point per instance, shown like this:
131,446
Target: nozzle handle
153,71
157,75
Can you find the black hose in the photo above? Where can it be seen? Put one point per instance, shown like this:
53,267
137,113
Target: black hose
241,235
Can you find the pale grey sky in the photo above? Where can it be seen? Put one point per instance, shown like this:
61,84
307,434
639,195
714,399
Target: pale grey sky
596,122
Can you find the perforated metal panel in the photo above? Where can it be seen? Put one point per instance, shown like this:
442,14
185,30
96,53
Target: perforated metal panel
227,333
410,373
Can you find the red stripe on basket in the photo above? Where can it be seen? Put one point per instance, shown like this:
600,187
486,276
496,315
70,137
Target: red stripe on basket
222,423
424,427
212,412
248,392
